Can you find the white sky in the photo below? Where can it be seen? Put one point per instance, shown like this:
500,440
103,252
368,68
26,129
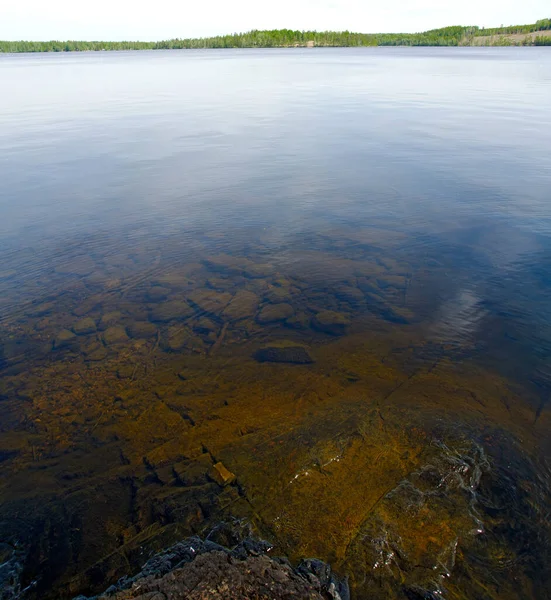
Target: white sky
162,19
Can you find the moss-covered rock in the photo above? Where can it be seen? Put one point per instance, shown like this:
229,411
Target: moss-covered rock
331,322
170,311
272,313
84,326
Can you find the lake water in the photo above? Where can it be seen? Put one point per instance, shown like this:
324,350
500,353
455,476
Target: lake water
328,269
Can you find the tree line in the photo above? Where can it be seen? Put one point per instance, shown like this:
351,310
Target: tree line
276,38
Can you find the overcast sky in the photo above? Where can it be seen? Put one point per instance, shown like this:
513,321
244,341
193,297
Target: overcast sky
162,19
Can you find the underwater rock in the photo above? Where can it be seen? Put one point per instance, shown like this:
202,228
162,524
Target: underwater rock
110,318
352,295
221,475
272,313
275,295
141,330
299,321
95,351
157,293
331,322
210,301
64,339
284,352
84,326
170,311
180,338
243,305
205,325
115,335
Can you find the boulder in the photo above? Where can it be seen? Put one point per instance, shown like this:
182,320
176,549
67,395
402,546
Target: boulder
64,339
141,330
115,335
284,352
170,311
157,293
210,301
331,322
110,318
84,326
272,313
243,305
221,475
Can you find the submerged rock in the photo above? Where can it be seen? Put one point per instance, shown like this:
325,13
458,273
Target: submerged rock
331,322
170,311
284,352
115,335
243,305
221,475
210,301
64,339
84,326
272,313
141,329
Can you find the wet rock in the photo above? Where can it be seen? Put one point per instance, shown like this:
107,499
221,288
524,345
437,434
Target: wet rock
272,313
115,335
125,372
205,326
181,338
174,281
95,352
276,295
157,293
243,306
199,570
194,472
170,311
350,294
221,475
110,318
210,301
258,271
299,321
142,330
330,322
85,326
64,339
284,352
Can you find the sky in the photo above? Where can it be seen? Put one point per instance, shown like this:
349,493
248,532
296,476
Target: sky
164,19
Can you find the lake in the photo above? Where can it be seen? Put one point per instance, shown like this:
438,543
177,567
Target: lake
327,269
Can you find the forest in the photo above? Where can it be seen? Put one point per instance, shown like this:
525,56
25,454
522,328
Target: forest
277,38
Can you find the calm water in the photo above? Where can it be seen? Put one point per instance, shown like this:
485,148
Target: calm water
166,216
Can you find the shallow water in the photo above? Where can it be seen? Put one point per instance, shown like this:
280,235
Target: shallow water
166,216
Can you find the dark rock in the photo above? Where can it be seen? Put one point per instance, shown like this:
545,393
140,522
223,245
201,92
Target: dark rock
64,339
142,330
84,326
170,311
330,322
284,352
243,305
115,335
272,313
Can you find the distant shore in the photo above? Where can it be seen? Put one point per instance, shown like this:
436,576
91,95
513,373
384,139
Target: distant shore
534,34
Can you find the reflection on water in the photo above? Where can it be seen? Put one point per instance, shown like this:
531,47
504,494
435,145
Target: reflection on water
328,271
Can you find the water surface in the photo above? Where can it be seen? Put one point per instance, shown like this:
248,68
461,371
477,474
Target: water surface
167,215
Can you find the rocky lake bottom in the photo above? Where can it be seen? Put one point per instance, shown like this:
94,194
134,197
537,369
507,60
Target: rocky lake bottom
145,402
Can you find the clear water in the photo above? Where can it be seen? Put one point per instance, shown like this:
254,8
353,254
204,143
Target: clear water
407,190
